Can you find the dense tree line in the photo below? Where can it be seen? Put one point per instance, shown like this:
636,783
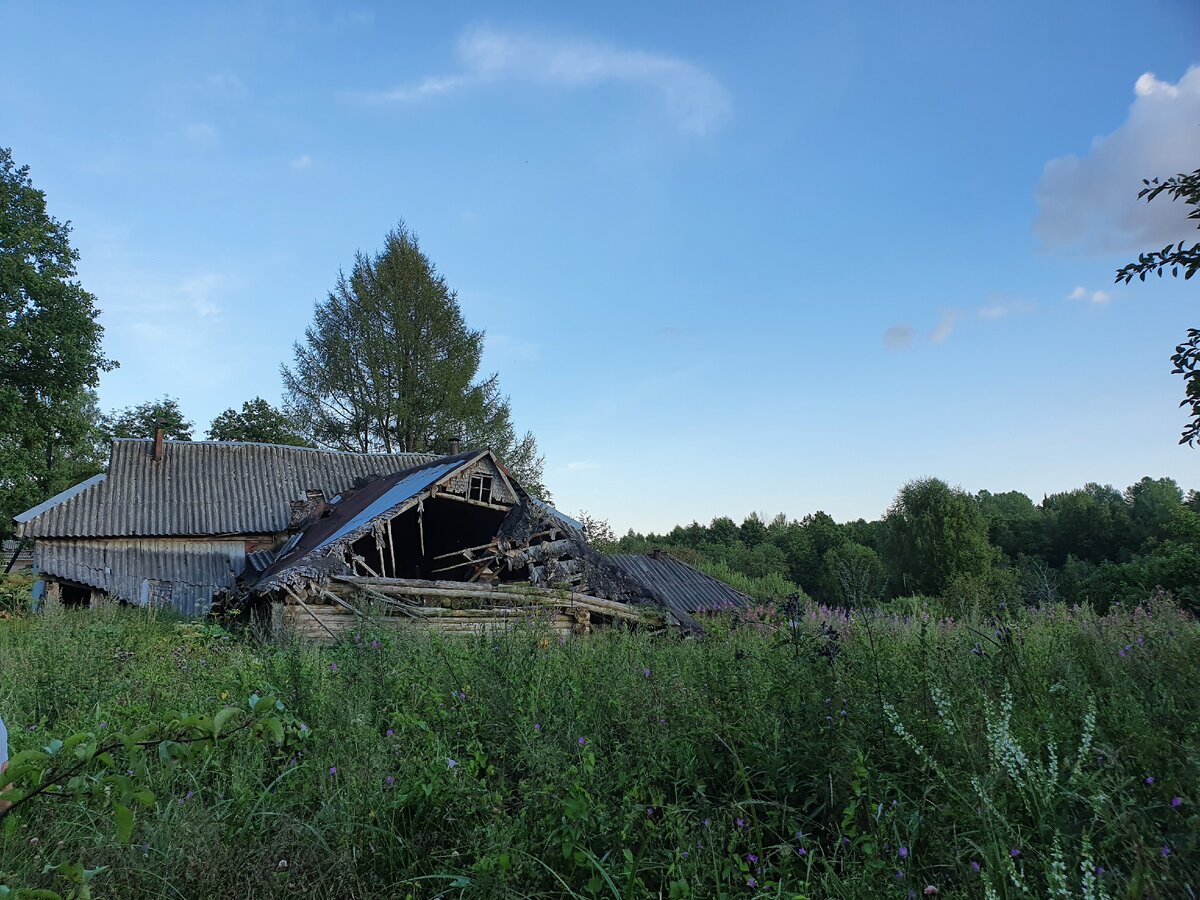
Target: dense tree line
1094,544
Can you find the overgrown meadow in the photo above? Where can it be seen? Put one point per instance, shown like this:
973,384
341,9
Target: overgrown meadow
810,753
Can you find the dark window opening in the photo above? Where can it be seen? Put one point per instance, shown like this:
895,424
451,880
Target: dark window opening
481,488
76,597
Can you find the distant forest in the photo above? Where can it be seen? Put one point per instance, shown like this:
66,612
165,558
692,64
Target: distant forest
1095,544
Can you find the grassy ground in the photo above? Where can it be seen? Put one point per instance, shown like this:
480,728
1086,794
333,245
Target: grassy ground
1024,754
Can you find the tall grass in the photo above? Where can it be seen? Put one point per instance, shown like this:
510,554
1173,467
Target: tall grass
1045,752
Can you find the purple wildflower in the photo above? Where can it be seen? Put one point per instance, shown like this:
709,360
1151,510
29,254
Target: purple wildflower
707,822
389,781
1121,652
899,874
103,724
975,867
740,823
662,721
752,857
333,770
375,644
1166,850
649,812
333,667
537,726
451,763
1176,802
750,882
391,732
1149,779
903,852
646,672
582,742
1014,852
800,851
1100,871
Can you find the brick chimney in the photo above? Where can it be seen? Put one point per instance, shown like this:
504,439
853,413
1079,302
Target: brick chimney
158,443
455,444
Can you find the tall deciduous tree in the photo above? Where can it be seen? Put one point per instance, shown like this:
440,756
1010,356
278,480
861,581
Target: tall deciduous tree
935,534
143,420
389,364
50,353
258,422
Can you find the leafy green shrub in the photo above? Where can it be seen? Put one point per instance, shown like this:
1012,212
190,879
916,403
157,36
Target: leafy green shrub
16,593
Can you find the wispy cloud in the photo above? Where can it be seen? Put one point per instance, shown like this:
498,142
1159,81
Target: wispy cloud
1090,202
695,100
1098,298
945,326
300,163
201,135
583,465
899,337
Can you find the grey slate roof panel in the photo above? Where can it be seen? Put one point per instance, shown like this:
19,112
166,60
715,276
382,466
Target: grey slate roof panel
192,571
203,488
677,585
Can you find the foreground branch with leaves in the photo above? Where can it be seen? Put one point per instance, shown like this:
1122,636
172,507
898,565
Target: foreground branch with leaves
109,771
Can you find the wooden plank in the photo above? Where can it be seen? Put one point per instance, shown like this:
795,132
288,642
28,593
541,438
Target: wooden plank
464,550
308,610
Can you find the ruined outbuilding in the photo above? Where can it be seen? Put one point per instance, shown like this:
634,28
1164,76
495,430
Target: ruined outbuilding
314,541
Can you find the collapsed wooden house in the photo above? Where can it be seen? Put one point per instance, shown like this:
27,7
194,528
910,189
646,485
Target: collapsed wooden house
459,545
321,541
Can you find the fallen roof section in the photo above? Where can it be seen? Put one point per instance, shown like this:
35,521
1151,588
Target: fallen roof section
676,585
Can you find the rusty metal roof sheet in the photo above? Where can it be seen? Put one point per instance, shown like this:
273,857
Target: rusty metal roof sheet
203,488
677,585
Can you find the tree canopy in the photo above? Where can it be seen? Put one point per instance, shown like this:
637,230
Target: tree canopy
258,422
389,364
1176,258
50,353
142,420
935,533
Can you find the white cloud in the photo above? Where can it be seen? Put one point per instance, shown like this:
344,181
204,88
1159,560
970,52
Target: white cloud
300,163
945,327
1098,298
992,313
201,135
1090,202
899,337
695,100
582,465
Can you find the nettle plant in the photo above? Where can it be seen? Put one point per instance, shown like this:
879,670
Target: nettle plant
110,771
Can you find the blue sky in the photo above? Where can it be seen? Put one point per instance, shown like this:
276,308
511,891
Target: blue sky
780,258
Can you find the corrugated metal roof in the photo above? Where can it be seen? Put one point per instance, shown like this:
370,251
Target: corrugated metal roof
132,569
677,585
203,488
356,512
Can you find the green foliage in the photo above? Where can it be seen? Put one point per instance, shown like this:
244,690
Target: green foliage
389,364
1173,257
258,422
855,574
935,534
50,354
1095,544
430,767
16,593
143,420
